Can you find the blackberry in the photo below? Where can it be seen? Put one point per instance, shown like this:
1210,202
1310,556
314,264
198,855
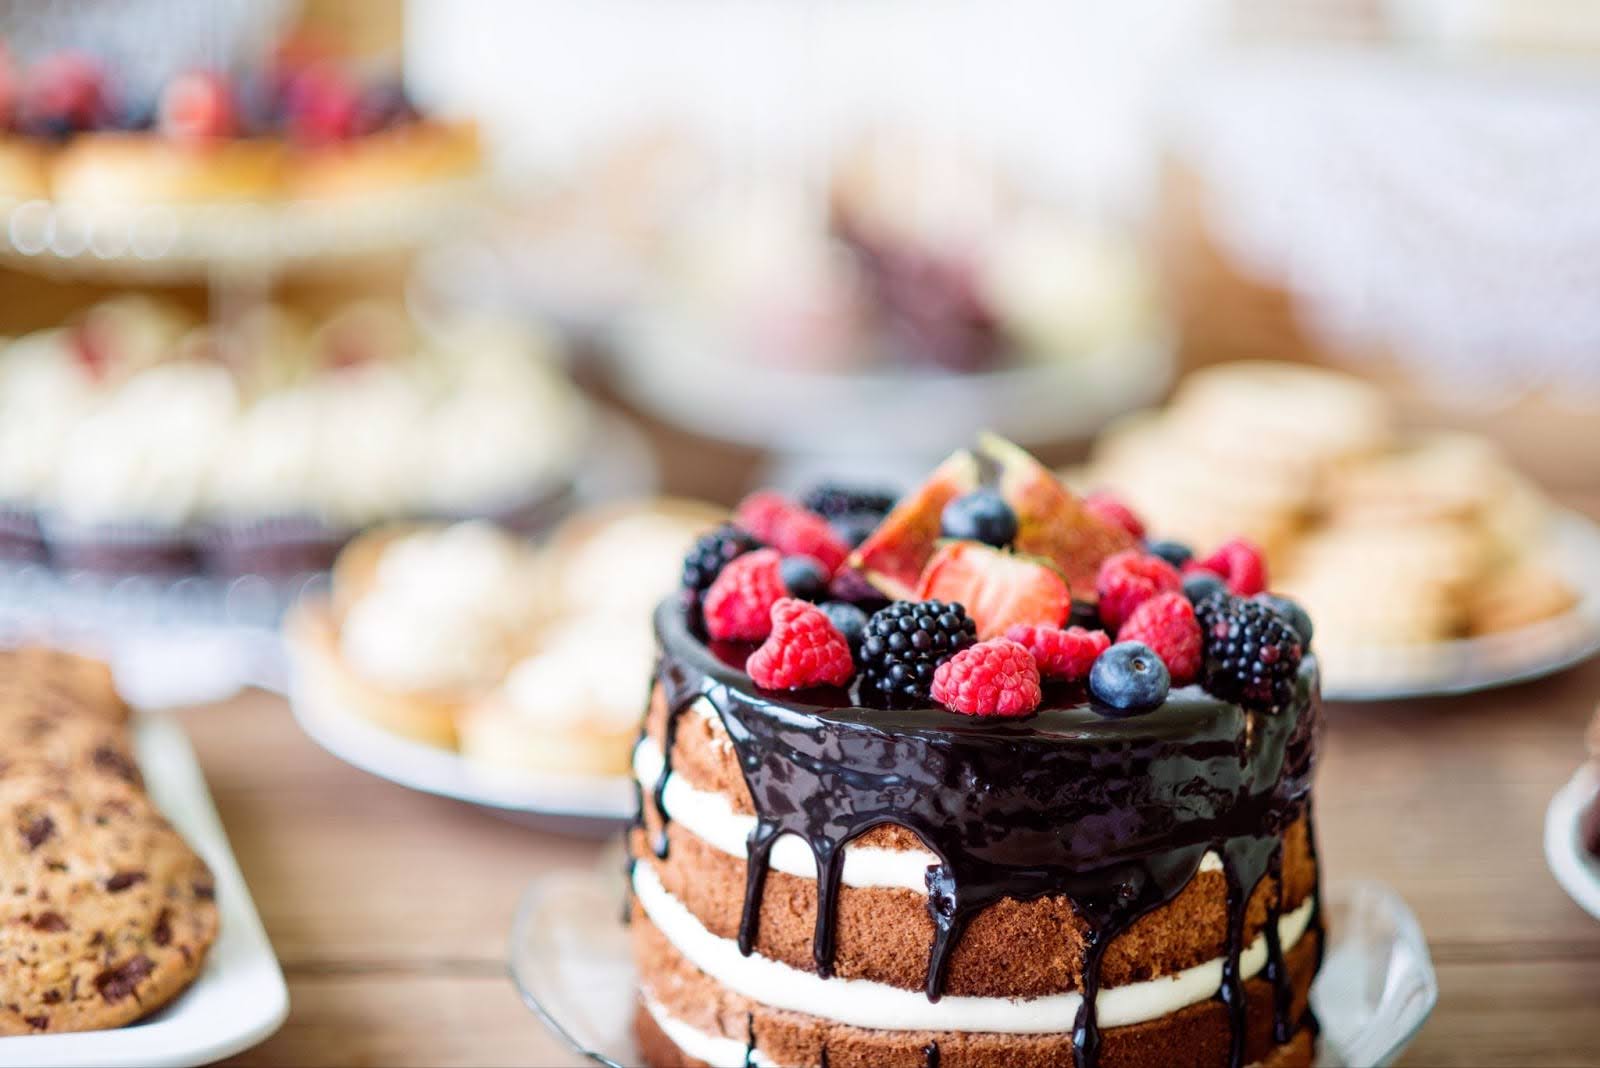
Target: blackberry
904,643
1251,654
833,500
712,553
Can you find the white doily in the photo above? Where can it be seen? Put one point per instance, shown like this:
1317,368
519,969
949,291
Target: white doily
1446,213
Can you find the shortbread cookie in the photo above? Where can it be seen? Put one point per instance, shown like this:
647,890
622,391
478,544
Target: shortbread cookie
1518,596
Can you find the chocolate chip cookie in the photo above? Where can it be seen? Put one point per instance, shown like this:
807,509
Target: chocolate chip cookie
106,914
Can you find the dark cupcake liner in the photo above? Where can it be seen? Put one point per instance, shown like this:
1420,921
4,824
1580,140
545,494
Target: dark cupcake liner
117,548
20,536
271,546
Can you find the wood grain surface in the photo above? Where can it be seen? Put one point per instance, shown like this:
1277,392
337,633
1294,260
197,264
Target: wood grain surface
390,910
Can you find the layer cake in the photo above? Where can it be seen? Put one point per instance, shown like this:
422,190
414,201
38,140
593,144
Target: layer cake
821,876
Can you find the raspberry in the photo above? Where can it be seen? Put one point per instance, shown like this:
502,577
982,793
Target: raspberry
791,529
1108,509
993,678
1061,654
1251,655
738,606
905,642
1240,564
711,554
1129,578
804,649
1167,624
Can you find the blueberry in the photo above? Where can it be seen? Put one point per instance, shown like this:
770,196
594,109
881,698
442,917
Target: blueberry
1175,553
1198,585
982,515
848,620
1291,613
855,526
804,578
1084,615
1128,677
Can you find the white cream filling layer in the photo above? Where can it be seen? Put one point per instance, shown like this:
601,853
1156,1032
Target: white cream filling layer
708,816
718,1051
865,1003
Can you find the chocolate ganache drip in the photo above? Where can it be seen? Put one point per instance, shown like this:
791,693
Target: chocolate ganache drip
1114,813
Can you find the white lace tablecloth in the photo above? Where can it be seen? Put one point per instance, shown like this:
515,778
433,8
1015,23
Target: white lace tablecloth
1447,211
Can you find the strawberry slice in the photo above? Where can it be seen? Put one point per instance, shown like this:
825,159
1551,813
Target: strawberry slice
998,589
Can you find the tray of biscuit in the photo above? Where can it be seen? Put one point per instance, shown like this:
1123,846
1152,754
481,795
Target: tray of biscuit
1430,565
299,160
128,933
462,661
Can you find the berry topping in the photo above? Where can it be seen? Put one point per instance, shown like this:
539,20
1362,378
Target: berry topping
854,528
711,554
1175,553
1108,509
1201,584
1061,654
1291,613
848,620
1240,564
832,500
64,94
1085,614
1130,578
197,106
993,678
904,644
738,606
1051,522
996,588
982,515
1251,655
852,586
893,555
382,107
793,530
804,577
1129,677
321,106
1167,624
804,649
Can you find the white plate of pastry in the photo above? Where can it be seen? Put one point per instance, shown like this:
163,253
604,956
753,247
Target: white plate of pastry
462,662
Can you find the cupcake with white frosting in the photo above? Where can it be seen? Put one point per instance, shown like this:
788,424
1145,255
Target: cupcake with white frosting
133,470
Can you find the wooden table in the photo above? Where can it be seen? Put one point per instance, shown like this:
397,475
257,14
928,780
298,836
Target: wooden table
390,910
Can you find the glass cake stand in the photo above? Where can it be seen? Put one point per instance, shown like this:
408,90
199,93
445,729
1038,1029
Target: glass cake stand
570,961
231,242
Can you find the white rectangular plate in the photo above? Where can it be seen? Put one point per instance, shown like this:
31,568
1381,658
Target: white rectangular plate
238,1000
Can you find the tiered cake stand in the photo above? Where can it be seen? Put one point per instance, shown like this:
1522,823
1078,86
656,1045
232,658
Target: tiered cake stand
196,637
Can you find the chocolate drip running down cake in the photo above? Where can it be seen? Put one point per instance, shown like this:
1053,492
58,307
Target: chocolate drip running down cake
1095,872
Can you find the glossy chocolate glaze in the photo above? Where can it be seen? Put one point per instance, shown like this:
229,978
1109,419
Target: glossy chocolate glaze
1114,812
